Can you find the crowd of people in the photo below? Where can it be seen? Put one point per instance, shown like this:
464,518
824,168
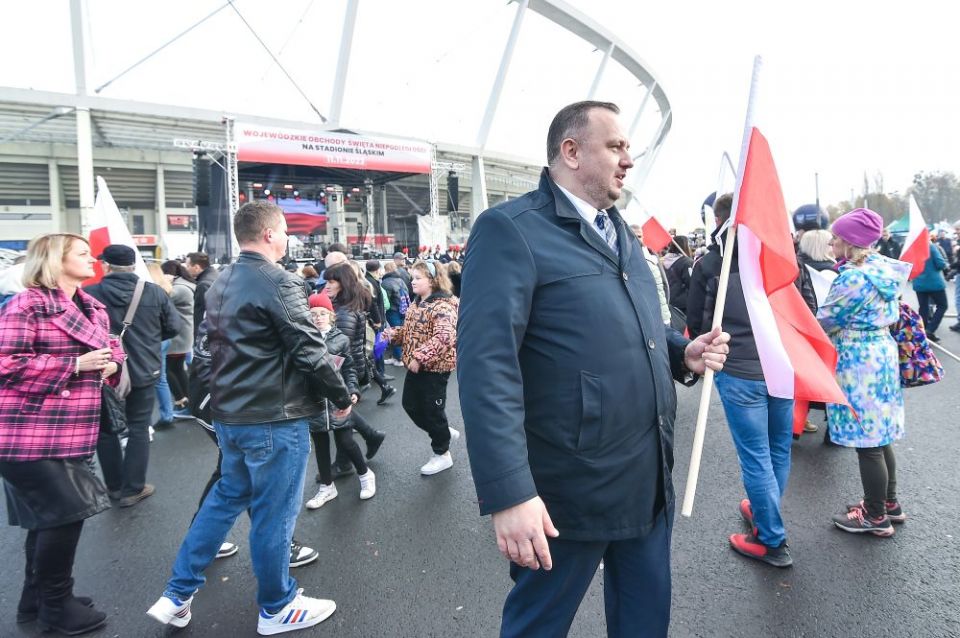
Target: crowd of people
567,336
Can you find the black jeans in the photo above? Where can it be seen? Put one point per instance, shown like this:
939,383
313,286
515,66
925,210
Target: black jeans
177,376
425,400
346,446
126,472
938,299
878,473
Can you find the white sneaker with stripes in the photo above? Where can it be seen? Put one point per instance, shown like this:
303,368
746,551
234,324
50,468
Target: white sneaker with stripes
170,610
300,613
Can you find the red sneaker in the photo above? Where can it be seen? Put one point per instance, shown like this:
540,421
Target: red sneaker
748,545
746,511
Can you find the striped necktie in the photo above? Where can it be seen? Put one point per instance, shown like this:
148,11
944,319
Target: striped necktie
605,225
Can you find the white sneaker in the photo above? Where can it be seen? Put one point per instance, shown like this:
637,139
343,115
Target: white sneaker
300,613
368,485
151,432
171,611
399,363
227,549
437,463
324,494
454,435
389,362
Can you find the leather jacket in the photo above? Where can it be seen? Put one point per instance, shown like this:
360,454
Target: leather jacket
268,360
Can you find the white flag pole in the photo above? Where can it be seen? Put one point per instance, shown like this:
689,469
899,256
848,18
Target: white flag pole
693,473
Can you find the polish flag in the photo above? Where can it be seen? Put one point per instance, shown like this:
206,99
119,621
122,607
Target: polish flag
107,227
798,360
655,236
916,248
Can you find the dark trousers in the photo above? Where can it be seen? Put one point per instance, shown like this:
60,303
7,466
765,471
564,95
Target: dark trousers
636,587
425,401
932,318
361,427
177,376
878,473
346,447
48,575
127,471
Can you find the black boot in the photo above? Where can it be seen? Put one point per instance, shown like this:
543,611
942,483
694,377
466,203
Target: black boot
30,595
386,393
374,443
67,615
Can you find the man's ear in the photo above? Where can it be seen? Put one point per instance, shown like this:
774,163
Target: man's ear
570,153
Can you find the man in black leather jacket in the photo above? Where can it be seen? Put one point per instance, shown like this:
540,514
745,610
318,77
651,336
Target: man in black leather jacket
270,372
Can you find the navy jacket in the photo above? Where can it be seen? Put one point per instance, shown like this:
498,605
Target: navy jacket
566,370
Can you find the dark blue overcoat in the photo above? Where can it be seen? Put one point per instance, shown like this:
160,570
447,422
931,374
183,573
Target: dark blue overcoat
566,369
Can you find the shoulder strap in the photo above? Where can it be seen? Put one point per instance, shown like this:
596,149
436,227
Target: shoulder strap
134,303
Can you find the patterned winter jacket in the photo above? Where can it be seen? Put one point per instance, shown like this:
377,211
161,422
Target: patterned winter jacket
429,333
47,411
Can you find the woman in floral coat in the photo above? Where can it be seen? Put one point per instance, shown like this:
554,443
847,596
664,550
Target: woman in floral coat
860,308
55,355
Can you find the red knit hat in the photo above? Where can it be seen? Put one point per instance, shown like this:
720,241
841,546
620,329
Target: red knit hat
320,300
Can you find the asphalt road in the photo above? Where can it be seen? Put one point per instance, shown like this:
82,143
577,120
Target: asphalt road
418,561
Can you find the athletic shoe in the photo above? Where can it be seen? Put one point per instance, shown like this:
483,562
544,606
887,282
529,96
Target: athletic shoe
368,485
399,363
437,463
894,511
300,613
227,549
746,512
389,362
387,392
748,545
324,494
857,521
374,443
170,610
454,435
300,555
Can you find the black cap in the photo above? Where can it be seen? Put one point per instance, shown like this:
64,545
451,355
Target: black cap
118,255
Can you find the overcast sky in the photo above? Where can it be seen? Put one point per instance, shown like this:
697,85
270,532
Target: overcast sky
847,88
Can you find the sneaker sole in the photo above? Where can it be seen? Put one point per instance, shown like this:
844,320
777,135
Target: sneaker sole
883,533
173,621
229,553
302,562
432,472
779,563
281,629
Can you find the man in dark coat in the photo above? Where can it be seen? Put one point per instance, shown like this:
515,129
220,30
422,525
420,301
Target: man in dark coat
198,265
156,319
566,386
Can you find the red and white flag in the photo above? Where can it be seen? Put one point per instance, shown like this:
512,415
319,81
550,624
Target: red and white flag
107,227
916,248
655,236
798,360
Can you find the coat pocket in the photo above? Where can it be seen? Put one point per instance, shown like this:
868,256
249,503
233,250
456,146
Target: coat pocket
591,416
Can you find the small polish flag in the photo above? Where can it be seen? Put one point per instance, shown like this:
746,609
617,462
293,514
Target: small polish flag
107,227
916,248
655,236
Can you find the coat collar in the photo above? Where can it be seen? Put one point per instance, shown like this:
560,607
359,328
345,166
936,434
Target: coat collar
565,209
66,316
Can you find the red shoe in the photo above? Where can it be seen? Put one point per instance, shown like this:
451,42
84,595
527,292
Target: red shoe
748,545
746,511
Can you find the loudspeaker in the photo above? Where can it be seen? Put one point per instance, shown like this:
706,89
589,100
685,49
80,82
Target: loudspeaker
453,191
201,181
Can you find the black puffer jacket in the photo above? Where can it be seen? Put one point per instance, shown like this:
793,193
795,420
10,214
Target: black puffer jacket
353,324
268,360
156,320
338,345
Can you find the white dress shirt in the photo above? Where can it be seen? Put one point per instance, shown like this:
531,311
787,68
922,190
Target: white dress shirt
586,210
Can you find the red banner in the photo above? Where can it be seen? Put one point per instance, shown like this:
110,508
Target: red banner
273,145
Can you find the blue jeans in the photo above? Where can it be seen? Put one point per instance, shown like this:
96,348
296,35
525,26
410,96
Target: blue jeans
762,430
164,399
395,319
262,470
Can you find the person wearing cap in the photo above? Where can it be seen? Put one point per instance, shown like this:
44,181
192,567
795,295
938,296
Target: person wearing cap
156,319
862,304
400,260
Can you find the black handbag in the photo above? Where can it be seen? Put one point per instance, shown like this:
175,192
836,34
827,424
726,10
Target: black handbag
113,415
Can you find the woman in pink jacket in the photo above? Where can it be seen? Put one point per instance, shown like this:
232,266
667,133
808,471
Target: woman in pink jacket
55,354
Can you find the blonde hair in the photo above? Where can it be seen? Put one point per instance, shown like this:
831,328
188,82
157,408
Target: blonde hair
389,267
454,268
815,244
44,263
156,273
854,254
439,281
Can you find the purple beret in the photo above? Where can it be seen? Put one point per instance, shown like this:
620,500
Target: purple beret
860,227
